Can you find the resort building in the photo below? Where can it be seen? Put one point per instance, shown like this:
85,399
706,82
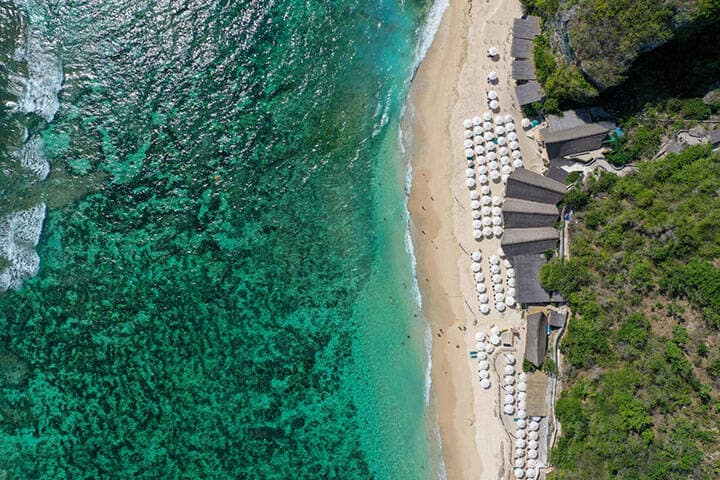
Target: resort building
526,185
529,92
519,241
529,290
523,70
536,344
519,213
526,27
576,131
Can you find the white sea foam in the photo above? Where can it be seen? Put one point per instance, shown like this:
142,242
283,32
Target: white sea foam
19,235
429,29
31,157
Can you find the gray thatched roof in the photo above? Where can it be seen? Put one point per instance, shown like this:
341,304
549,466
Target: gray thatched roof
529,92
523,70
528,287
536,344
526,185
528,27
525,214
557,319
713,136
525,206
521,48
576,131
519,241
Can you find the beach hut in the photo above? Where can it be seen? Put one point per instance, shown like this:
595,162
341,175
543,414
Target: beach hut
494,104
470,183
492,76
523,70
477,234
529,92
492,95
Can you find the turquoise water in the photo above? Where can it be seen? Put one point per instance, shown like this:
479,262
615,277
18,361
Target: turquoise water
224,285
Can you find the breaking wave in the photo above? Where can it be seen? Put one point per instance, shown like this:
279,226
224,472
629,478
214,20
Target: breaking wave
19,235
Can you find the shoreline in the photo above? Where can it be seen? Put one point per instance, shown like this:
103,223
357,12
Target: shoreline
448,86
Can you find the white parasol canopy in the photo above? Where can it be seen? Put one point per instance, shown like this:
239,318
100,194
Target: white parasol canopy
492,95
499,130
479,277
487,221
491,156
483,298
508,409
522,414
494,104
511,282
485,190
467,123
501,141
495,340
482,356
497,201
522,396
496,279
487,116
480,287
483,179
510,301
494,269
510,273
510,359
497,211
514,145
477,234
483,365
485,383
477,224
470,183
476,214
509,370
502,151
482,170
511,291
476,121
534,426
500,306
469,153
505,160
475,267
493,165
509,399
493,52
491,147
497,221
475,204
498,230
508,380
483,373
484,309
494,260
525,123
479,150
512,136
480,336
522,386
487,231
499,297
469,172
506,169
468,143
492,75
521,433
486,200
476,256
468,133
488,136
474,195
522,377
510,127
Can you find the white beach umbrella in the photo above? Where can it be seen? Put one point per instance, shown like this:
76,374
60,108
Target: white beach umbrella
494,104
509,389
483,298
469,143
514,145
534,426
498,120
481,346
519,452
510,301
493,165
519,473
469,172
522,377
533,445
522,396
505,160
510,272
479,277
494,269
487,232
501,141
532,454
482,356
492,75
493,52
510,359
522,386
517,163
508,118
487,221
520,433
478,140
485,200
520,443
509,380
477,224
509,370
497,221
521,423
468,134
494,330
506,170
491,147
496,211
512,136
467,123
494,260
521,414
475,267
470,183
485,383
519,463
477,120
469,153
483,179
497,201
521,404
531,463
509,127
482,170
495,340
500,306
496,279
499,130
488,127
492,95
476,256
474,195
497,230
475,204
479,150
476,214
478,130
499,297
480,287
477,234
483,373
491,156
488,136
511,291
483,365
484,309
480,160
485,190
525,123
502,151
486,211
530,473
480,336
508,409
487,116
509,400
516,154
511,282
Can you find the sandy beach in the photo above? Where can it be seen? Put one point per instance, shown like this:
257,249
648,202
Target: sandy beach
450,86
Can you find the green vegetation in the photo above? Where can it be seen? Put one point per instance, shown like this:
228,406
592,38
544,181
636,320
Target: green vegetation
641,354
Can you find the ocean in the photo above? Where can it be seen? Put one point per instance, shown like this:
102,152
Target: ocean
204,245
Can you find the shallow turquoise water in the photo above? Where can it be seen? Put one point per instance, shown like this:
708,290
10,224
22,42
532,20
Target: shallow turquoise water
224,287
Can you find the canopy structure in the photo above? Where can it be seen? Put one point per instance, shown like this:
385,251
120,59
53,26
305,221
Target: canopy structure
529,92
